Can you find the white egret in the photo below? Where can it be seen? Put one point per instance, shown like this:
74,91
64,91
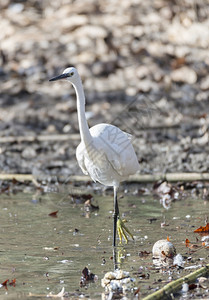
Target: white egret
105,152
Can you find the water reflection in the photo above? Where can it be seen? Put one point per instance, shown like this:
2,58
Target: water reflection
119,256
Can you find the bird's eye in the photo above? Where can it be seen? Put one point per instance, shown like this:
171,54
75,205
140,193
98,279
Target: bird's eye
71,74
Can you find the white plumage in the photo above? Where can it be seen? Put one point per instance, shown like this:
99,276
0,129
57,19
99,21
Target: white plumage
110,157
105,153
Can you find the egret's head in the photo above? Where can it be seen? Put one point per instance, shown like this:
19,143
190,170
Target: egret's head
70,74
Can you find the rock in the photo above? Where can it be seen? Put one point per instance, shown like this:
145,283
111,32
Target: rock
195,34
203,281
178,260
142,71
91,31
205,83
118,281
184,74
73,22
29,153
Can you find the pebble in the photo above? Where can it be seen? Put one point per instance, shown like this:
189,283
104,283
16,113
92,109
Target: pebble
28,153
118,280
184,74
185,288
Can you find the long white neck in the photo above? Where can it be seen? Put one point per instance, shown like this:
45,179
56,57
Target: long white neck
83,125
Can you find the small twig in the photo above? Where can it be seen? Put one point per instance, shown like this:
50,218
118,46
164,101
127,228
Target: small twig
61,295
19,177
175,285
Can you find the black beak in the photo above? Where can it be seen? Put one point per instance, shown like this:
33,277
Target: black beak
62,76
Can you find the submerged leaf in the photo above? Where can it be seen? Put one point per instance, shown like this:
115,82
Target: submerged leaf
13,282
192,286
144,253
85,273
81,198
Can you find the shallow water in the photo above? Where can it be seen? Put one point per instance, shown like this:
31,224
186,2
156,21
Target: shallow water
46,253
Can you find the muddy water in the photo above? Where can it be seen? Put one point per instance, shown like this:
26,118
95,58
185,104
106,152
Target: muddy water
46,253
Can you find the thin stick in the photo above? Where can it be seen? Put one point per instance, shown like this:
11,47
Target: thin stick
175,285
19,177
138,178
146,178
39,138
171,177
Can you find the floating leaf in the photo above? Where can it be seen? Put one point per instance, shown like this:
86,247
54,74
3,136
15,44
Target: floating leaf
187,242
190,245
53,214
202,228
13,282
4,283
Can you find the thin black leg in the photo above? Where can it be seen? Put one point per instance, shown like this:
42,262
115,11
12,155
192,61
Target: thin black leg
115,259
115,216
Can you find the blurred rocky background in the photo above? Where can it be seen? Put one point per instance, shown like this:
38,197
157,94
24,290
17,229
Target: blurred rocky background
144,66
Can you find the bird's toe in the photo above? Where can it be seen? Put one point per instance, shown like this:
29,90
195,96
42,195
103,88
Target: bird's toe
123,231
